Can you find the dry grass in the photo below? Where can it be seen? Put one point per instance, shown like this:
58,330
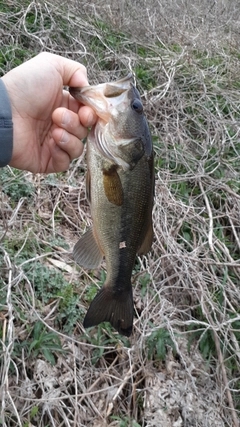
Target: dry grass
181,365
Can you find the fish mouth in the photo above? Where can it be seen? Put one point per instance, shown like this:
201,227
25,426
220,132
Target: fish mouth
102,98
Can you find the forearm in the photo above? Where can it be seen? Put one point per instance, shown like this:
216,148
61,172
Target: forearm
6,126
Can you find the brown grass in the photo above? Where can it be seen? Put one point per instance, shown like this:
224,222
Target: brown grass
185,58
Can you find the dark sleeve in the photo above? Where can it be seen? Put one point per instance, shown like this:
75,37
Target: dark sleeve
6,127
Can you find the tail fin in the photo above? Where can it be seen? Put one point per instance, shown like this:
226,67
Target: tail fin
113,307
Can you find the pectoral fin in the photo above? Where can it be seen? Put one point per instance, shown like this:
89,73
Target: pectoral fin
86,251
113,186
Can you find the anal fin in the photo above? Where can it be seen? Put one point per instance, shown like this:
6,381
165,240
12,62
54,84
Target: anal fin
86,251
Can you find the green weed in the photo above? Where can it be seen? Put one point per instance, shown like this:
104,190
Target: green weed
14,184
145,51
176,48
206,342
69,312
145,76
145,283
40,342
92,290
12,55
33,413
102,336
48,283
157,343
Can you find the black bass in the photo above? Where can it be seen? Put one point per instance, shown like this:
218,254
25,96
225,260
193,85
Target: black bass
119,187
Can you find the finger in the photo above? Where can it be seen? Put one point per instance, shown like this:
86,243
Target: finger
73,73
59,159
74,123
68,143
69,102
68,120
87,116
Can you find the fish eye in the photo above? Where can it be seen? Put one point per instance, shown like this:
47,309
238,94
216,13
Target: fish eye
137,106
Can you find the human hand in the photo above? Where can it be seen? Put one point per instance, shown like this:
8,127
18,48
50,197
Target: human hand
48,124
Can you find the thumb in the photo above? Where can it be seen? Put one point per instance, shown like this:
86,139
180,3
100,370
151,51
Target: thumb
73,73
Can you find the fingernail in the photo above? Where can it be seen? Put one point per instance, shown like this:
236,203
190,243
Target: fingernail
64,138
66,117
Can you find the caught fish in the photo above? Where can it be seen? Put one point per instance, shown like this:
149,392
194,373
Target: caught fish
119,187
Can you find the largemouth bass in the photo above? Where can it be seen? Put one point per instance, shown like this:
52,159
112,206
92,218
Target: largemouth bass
119,187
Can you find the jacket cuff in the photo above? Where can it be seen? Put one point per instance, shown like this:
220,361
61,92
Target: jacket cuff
6,126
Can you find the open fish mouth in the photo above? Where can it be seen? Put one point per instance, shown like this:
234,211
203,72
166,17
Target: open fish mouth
102,98
111,89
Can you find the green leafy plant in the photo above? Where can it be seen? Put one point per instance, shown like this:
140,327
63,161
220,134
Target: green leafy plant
69,313
157,343
145,282
15,185
145,76
102,336
42,342
33,413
